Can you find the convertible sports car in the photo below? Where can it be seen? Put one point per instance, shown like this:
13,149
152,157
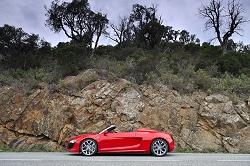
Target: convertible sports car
108,141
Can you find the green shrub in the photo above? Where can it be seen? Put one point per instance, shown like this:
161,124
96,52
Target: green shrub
234,86
6,79
42,148
244,151
67,87
86,79
151,78
235,63
108,68
89,77
202,80
183,150
205,150
24,80
192,48
62,84
72,56
4,148
127,86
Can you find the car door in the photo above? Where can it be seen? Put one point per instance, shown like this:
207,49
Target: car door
116,142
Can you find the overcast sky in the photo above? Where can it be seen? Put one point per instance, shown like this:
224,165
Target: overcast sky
180,14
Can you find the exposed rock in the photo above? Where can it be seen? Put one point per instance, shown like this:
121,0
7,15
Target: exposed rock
248,102
50,118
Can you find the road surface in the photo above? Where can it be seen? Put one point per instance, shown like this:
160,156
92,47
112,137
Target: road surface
176,159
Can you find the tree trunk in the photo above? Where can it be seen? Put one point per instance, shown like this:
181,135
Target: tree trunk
224,47
223,44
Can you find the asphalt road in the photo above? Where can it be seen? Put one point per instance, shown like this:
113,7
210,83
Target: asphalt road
176,159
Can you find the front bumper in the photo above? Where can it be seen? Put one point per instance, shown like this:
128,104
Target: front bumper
72,146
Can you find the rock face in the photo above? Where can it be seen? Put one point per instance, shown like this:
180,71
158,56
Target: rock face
50,118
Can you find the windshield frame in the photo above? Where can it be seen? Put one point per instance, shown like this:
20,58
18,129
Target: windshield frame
109,129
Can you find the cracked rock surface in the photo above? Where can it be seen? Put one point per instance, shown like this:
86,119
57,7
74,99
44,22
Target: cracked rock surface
51,117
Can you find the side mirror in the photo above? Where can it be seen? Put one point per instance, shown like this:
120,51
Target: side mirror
105,132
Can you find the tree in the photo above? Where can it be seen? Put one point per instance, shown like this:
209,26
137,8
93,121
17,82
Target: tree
99,26
19,49
153,32
11,38
224,20
170,34
76,20
184,37
122,31
231,45
146,26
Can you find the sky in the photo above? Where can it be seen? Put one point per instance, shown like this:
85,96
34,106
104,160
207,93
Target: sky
180,14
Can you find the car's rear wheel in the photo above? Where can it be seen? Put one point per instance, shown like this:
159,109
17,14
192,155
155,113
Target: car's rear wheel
88,147
159,147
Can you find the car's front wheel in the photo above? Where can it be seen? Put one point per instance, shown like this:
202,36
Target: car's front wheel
159,147
88,147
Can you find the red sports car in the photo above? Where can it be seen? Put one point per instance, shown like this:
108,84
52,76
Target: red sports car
108,141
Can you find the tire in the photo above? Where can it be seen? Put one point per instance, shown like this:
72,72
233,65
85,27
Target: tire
159,147
88,147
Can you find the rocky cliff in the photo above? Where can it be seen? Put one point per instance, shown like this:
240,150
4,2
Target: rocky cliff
51,117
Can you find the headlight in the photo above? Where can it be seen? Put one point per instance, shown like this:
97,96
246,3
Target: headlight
72,141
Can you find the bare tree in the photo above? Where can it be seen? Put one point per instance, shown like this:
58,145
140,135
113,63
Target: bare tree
121,31
224,20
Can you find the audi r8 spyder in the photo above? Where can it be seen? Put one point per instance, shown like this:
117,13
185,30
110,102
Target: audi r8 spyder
108,141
